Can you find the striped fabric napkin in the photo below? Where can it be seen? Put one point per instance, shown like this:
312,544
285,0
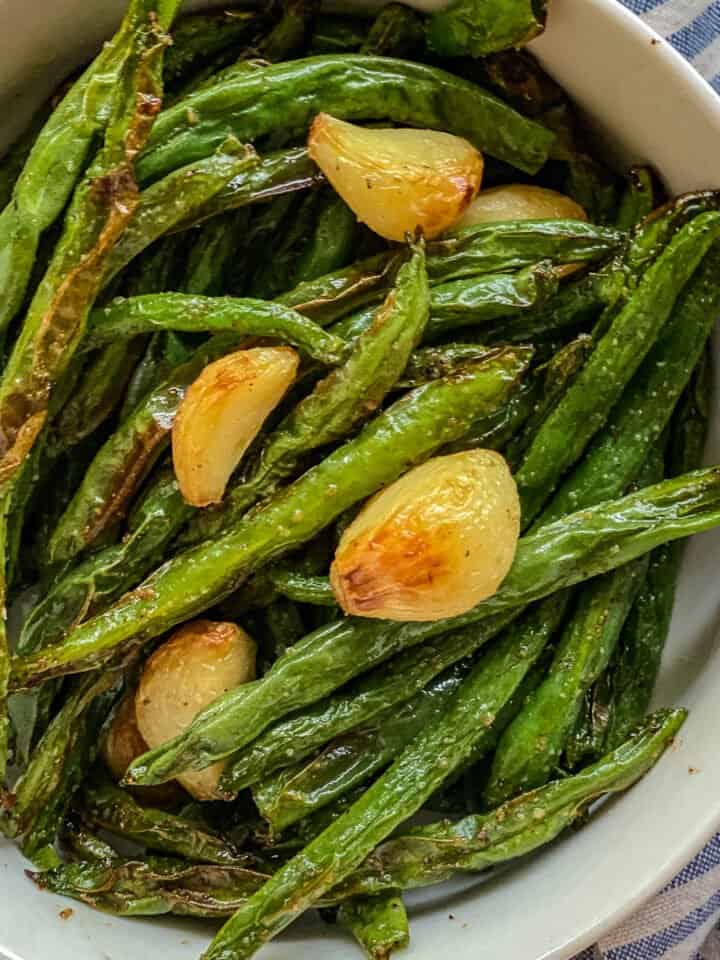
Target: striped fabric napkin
681,922
692,26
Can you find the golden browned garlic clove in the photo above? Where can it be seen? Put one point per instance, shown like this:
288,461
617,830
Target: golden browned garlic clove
433,544
122,743
222,413
396,180
519,201
200,661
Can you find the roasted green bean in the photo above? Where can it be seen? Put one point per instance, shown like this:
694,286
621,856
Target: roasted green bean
109,808
296,791
560,554
408,432
529,750
586,405
104,576
644,408
58,764
482,249
195,314
425,855
379,924
60,152
339,402
382,89
432,853
328,859
476,27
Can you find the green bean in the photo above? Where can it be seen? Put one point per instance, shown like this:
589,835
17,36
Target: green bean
559,555
54,324
406,433
80,844
161,885
638,199
154,273
289,34
398,793
472,302
294,792
58,764
476,27
464,303
654,233
351,87
586,405
182,199
432,853
58,155
56,317
503,246
273,275
394,681
429,363
123,462
194,314
557,376
644,408
577,304
333,33
379,924
214,253
522,305
330,245
15,156
200,36
591,184
302,588
460,794
485,248
275,175
109,808
495,431
281,42
529,750
333,296
103,385
397,31
646,629
284,626
96,582
297,790
587,741
153,886
518,78
338,402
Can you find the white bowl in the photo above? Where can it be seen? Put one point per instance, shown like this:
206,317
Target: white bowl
649,105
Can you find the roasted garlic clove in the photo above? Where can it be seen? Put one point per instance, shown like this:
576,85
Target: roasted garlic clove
519,201
200,661
222,413
122,743
397,180
433,544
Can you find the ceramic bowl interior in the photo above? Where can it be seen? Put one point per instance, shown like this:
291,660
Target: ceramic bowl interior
646,105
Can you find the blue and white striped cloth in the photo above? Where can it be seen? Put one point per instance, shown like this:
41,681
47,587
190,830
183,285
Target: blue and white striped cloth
692,26
683,921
